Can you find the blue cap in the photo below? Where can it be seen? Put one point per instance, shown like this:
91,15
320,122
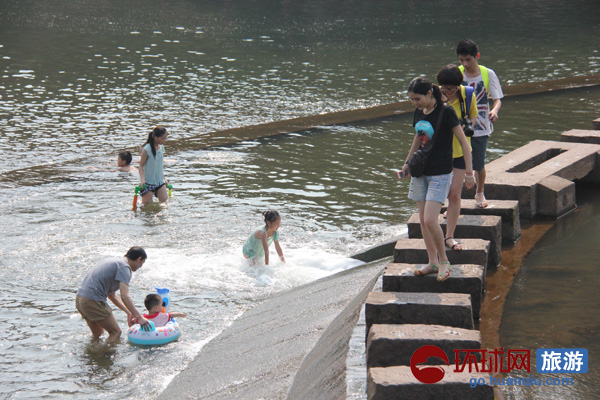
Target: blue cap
424,127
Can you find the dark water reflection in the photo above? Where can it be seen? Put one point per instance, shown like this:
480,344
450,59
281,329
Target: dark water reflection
553,297
94,75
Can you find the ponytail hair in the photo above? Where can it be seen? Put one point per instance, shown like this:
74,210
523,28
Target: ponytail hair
159,131
423,86
271,216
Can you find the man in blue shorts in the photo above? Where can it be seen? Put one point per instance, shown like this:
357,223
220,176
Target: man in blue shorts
486,86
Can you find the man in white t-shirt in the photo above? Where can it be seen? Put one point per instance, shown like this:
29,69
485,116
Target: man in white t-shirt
486,85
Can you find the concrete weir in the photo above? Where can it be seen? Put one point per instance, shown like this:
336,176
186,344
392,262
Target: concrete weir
540,176
291,346
294,344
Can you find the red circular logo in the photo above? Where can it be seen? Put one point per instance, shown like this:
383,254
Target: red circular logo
428,373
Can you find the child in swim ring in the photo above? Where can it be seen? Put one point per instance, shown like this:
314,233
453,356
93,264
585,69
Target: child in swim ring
156,311
257,245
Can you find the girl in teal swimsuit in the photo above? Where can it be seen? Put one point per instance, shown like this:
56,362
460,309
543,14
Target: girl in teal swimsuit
151,166
257,245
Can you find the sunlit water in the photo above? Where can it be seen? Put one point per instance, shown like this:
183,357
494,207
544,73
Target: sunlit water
82,81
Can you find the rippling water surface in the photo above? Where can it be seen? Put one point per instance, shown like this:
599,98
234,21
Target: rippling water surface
84,80
550,301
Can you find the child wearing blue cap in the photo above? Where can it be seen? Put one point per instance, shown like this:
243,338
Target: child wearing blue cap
431,190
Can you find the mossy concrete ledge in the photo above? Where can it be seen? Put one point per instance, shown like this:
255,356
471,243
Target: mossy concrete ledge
293,345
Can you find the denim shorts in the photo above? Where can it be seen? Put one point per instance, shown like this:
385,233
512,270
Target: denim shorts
430,188
479,146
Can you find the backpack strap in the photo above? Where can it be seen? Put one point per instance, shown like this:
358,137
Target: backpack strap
439,123
469,96
464,111
485,76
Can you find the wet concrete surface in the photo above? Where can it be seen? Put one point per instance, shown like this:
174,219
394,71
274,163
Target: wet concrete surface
291,346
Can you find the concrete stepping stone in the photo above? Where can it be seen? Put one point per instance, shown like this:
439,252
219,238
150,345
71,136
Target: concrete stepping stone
556,197
390,345
508,210
486,227
464,278
451,309
392,383
582,136
517,175
412,251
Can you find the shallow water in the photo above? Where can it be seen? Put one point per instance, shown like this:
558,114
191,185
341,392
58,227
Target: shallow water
82,81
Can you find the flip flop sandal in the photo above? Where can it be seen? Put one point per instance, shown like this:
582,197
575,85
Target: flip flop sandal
419,272
457,246
480,200
444,275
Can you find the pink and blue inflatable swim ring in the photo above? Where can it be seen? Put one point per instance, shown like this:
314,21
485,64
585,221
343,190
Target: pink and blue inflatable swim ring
161,335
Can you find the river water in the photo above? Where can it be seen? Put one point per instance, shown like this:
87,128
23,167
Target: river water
83,80
551,301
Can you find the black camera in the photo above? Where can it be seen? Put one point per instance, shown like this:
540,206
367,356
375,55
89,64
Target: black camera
468,127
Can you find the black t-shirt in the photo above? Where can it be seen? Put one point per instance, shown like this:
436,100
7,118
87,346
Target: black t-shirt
440,159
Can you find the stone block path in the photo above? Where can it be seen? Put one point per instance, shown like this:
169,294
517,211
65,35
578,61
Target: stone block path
536,180
464,278
507,210
486,227
399,383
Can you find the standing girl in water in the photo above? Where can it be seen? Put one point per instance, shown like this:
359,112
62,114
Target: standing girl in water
257,245
151,166
431,190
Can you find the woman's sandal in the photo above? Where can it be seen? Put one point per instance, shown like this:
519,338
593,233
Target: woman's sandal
480,200
442,276
457,246
425,271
